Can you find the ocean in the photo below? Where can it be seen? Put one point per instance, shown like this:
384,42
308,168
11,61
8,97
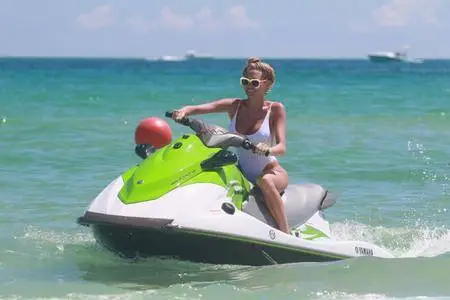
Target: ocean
377,135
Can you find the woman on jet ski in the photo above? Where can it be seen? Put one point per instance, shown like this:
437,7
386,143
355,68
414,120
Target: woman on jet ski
263,122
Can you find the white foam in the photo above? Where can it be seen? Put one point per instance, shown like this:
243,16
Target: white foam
421,241
58,238
322,295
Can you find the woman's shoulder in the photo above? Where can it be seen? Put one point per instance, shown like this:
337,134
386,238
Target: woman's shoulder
226,103
276,106
234,104
227,100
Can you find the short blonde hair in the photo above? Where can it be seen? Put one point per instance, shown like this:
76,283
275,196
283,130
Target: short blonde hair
255,63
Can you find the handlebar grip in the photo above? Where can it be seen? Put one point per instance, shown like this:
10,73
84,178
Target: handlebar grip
184,121
247,144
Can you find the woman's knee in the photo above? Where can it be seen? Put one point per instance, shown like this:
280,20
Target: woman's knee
266,182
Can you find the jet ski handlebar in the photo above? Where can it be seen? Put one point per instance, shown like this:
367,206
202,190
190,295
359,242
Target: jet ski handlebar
197,126
184,121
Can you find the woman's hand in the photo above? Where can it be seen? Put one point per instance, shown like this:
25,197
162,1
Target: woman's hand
179,114
262,149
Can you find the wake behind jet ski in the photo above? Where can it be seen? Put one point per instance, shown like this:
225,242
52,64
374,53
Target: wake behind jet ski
188,200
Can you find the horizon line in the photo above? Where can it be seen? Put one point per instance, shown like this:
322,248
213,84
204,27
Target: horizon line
3,56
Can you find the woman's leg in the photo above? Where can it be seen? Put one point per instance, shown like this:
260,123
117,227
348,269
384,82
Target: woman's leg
272,183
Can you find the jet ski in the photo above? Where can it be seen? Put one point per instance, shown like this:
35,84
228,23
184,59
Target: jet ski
188,200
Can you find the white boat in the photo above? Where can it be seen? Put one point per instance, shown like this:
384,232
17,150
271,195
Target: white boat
392,56
171,58
192,55
387,56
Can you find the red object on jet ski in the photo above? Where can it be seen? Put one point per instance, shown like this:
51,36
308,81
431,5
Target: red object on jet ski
153,131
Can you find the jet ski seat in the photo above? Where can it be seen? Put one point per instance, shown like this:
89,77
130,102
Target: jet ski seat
301,202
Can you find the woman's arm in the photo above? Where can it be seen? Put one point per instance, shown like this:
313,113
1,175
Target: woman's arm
222,105
279,126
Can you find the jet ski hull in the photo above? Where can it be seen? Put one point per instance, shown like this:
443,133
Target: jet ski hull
156,239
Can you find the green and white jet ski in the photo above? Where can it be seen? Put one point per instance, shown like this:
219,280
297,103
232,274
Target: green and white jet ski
188,200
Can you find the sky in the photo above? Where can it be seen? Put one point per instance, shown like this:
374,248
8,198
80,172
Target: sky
225,28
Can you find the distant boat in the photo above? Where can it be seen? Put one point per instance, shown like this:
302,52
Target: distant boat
170,58
190,55
392,56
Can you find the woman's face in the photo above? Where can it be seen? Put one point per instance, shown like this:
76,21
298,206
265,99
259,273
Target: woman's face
254,84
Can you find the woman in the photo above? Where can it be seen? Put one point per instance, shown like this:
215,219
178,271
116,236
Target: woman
262,121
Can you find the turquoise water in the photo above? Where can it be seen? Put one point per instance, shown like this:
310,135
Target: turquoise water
377,135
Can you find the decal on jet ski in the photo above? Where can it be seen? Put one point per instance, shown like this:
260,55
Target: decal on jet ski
311,233
363,251
272,234
184,176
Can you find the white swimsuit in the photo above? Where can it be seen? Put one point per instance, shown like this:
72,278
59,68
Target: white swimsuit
253,164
